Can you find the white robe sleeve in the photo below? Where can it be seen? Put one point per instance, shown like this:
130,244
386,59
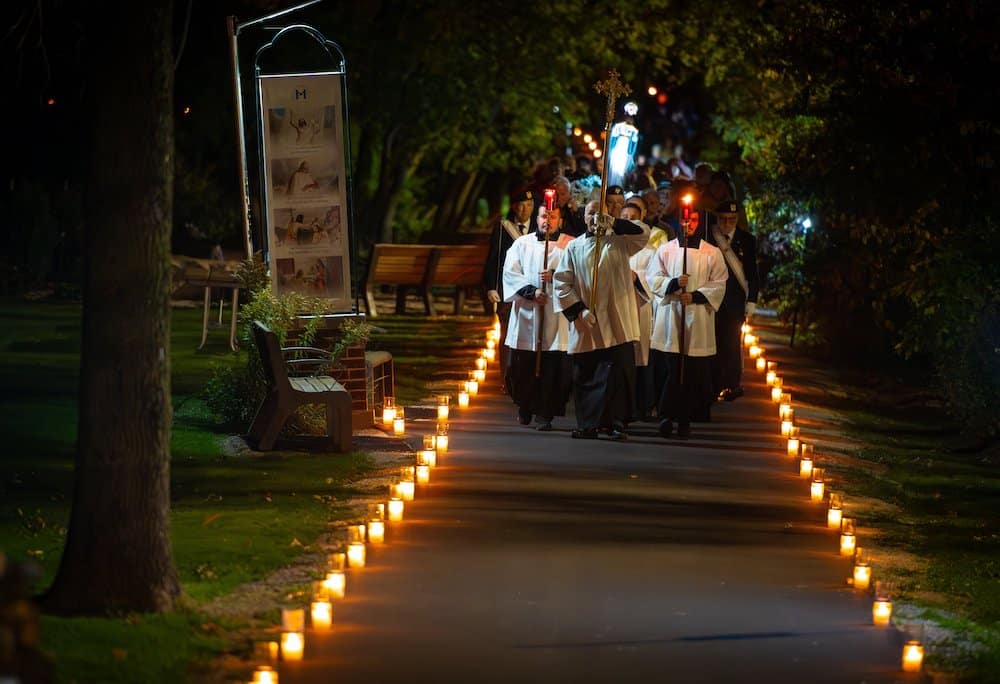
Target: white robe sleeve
715,288
564,279
513,273
657,274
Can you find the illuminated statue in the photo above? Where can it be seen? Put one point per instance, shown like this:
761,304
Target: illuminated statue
624,140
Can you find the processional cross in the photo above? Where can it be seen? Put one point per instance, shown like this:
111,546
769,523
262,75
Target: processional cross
612,88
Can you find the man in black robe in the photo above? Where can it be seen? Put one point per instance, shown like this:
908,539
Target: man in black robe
739,249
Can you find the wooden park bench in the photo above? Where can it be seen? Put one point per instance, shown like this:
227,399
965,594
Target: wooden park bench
423,267
286,392
461,267
403,266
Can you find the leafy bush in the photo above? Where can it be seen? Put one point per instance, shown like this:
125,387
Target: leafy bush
233,393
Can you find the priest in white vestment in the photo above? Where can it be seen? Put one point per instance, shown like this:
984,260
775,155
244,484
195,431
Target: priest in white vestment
688,299
539,383
602,333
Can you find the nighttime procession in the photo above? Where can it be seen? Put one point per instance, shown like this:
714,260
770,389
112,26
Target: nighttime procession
481,342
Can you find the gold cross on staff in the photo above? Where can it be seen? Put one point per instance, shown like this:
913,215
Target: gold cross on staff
612,88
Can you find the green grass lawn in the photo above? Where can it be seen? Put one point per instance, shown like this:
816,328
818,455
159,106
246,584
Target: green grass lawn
235,519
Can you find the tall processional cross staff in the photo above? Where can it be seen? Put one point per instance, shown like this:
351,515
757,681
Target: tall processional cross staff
550,200
686,218
612,88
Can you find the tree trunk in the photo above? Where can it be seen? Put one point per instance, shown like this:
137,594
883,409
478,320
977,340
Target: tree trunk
118,555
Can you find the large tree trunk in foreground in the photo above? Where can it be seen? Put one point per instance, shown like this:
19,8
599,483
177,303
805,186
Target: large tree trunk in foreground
118,555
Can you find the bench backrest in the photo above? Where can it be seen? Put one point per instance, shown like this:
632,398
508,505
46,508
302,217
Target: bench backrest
275,371
460,265
399,264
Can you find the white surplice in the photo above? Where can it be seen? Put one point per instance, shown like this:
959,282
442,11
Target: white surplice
640,262
707,274
521,267
616,311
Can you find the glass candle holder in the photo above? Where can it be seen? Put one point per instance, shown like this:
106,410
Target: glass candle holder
376,531
761,364
423,474
478,376
335,584
754,351
399,423
388,411
882,603
862,569
442,439
776,392
847,538
321,614
337,561
793,442
427,457
395,509
785,411
356,554
818,485
265,674
293,619
805,467
771,375
292,645
442,409
835,513
490,355
463,398
430,441
481,363
913,656
786,427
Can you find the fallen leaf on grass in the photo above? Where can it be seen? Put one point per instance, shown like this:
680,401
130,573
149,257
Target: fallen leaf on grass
210,518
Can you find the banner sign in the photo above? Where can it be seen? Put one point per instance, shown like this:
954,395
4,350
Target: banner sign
305,186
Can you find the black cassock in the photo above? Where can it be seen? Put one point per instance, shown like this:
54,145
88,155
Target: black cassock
604,386
728,370
690,402
544,396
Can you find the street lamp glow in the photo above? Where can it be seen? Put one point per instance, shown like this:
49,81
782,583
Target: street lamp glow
577,132
597,154
588,138
652,90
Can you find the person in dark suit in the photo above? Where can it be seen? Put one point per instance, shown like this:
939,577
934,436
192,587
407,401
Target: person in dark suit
517,223
739,249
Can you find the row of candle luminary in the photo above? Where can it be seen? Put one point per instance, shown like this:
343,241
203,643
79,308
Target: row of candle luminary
913,651
334,586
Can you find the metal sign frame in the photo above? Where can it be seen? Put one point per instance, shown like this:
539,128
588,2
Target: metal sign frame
338,68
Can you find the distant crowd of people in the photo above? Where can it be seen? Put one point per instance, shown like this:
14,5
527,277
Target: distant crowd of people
652,332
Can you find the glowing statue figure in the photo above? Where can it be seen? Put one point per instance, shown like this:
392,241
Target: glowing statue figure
624,140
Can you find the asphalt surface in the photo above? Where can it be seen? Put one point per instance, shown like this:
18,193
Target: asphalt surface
534,557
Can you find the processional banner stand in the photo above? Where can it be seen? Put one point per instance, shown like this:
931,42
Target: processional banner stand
302,206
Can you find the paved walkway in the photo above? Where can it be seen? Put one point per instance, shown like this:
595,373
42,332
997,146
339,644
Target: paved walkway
533,557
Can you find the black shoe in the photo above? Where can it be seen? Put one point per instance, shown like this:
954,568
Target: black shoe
545,426
666,428
684,430
618,434
735,393
584,433
523,417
